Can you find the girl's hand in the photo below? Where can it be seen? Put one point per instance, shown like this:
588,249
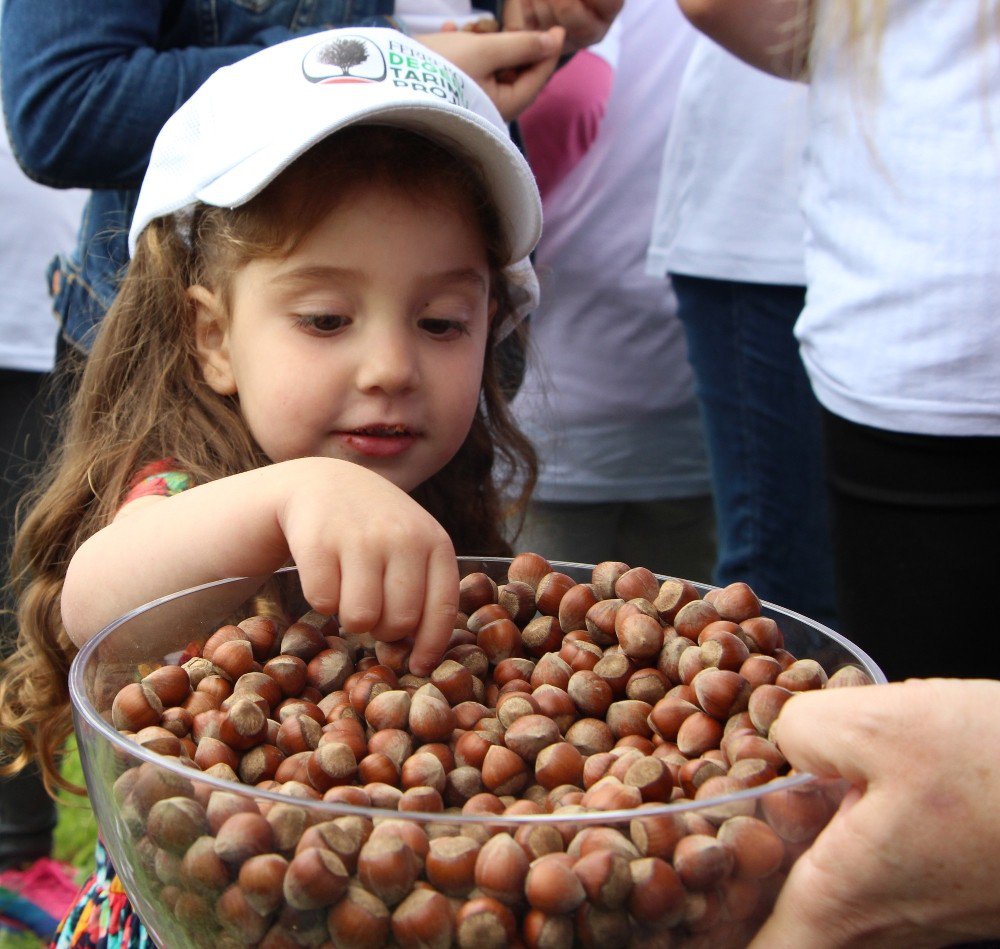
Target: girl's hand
365,550
369,554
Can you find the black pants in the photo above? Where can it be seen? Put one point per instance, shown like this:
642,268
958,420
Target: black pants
916,527
27,814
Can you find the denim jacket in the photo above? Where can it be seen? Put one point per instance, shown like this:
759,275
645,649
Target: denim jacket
87,86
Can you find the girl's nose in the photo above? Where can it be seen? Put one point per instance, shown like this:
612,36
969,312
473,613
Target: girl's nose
389,363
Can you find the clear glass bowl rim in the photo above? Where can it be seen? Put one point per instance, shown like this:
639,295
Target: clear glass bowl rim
83,708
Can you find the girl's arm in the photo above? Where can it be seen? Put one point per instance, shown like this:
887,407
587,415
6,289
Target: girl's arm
366,552
773,35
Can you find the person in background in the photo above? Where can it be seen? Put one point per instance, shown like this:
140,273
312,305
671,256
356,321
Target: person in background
86,91
369,235
729,232
901,198
33,220
912,856
607,396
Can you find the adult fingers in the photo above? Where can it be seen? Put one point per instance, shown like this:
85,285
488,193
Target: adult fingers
514,89
517,49
841,732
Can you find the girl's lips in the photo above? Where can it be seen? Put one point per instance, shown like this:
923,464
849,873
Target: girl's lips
379,441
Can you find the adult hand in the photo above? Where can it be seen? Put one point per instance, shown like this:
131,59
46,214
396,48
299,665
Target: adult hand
911,858
510,67
585,21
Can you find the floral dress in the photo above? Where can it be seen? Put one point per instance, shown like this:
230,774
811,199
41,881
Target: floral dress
102,916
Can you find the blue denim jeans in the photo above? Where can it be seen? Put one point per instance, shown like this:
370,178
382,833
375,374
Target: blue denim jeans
765,447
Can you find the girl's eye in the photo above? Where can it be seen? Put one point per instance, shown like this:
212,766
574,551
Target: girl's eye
443,329
321,322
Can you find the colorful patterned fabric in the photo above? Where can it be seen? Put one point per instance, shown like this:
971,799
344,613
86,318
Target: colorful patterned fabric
158,479
102,917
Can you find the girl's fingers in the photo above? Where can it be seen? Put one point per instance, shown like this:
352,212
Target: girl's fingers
439,610
404,590
361,591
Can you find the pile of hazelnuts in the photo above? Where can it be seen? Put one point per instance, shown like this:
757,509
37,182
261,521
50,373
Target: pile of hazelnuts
555,699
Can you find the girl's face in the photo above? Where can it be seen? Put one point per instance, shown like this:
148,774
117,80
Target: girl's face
366,343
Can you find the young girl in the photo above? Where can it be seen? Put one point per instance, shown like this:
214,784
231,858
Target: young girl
328,244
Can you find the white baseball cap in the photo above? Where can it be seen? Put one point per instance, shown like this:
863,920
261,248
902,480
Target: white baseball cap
251,120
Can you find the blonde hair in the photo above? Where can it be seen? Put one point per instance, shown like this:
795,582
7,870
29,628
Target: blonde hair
142,397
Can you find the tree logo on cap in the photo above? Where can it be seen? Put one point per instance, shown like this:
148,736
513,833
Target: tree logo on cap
348,58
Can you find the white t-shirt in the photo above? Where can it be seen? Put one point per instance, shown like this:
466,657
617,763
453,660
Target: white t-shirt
428,16
35,223
728,204
608,394
901,328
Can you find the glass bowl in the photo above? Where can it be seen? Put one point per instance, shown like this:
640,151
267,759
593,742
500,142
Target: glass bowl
693,871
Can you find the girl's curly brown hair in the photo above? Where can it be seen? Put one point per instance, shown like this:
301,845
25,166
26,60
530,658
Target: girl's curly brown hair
142,397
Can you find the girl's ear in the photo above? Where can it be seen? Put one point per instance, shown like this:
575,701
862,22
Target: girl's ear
211,334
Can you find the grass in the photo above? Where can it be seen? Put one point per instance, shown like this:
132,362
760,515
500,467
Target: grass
74,838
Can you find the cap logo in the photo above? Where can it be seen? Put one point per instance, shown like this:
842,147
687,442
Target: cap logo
354,58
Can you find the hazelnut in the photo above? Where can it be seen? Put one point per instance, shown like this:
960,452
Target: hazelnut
764,633
239,918
629,717
431,719
657,894
242,836
541,635
757,850
656,835
555,704
518,599
721,692
170,683
501,869
765,703
136,706
528,735
575,605
693,617
591,694
175,823
359,920
314,878
262,631
500,639
546,931
558,763
387,867
204,868
737,602
305,638
600,620
476,590
849,676
232,658
702,862
261,878
504,771
423,770
605,877
450,864
485,923
551,885
590,736
528,567
423,919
